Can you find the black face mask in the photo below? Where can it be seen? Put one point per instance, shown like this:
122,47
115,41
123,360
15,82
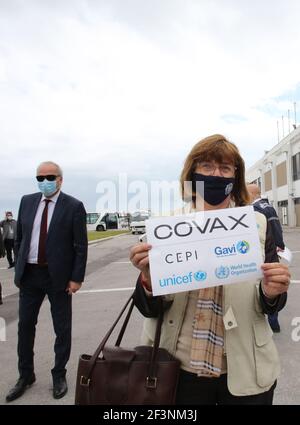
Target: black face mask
216,189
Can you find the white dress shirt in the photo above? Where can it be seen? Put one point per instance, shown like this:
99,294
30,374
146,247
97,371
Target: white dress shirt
35,235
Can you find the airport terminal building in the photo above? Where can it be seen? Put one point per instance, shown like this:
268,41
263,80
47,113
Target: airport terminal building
278,174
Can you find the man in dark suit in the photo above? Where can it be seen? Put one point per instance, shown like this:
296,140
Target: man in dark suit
51,250
9,226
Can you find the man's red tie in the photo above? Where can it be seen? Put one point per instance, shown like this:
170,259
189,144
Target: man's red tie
43,235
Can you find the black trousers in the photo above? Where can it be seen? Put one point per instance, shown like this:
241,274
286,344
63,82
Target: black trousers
9,248
211,391
35,284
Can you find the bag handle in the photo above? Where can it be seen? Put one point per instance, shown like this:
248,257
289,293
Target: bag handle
104,341
124,326
151,379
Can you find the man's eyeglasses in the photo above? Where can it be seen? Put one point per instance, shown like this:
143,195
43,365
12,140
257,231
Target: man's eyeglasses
208,169
49,177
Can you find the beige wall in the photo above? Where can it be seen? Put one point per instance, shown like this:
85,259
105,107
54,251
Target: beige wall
297,210
281,174
268,181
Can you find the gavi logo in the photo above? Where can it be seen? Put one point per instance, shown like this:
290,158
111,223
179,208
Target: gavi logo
241,247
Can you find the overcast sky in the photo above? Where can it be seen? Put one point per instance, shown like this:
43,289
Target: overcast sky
110,86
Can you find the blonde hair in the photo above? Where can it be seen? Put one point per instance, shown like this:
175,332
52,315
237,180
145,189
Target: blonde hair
219,149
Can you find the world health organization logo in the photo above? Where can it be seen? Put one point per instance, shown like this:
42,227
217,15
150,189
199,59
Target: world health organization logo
200,276
222,272
242,247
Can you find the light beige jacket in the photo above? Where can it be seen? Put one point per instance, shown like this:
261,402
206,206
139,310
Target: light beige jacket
252,357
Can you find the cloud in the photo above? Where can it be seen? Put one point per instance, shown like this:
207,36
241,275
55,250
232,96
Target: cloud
129,86
232,118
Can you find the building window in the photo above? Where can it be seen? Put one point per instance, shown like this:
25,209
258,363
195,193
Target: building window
281,174
297,211
296,166
91,218
259,182
283,212
268,181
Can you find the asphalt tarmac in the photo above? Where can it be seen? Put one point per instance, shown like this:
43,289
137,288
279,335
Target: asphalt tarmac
110,279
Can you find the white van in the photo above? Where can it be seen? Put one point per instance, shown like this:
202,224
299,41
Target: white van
138,221
104,221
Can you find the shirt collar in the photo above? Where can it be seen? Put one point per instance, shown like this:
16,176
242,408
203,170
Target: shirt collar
256,200
53,199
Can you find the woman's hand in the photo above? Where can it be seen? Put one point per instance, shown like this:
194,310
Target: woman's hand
276,279
139,256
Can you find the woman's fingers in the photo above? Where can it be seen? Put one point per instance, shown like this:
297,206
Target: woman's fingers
273,284
139,248
276,271
280,280
269,266
139,255
279,272
276,278
138,259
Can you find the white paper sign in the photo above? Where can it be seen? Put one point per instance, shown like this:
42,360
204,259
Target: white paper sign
286,254
203,249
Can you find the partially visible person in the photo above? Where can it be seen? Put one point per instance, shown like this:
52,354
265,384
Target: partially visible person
51,260
9,226
2,254
263,206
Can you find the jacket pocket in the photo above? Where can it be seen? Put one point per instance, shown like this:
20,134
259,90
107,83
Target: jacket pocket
265,354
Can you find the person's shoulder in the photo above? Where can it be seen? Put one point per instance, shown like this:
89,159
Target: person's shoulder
257,206
70,199
261,219
262,205
31,196
259,215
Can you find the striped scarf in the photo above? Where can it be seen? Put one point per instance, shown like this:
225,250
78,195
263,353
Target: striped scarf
208,333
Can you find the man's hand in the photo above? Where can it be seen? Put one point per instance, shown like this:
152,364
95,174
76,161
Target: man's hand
73,287
276,279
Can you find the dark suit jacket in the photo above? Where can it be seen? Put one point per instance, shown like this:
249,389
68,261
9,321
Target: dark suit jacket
2,249
66,245
263,206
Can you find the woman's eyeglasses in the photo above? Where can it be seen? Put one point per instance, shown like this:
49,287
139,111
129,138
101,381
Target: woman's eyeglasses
49,177
208,168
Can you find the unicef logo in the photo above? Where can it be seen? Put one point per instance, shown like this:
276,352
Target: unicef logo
242,247
222,272
228,188
200,276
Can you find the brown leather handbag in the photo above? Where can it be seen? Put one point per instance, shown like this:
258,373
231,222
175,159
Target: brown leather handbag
116,375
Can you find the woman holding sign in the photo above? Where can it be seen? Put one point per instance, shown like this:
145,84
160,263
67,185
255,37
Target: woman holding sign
220,334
